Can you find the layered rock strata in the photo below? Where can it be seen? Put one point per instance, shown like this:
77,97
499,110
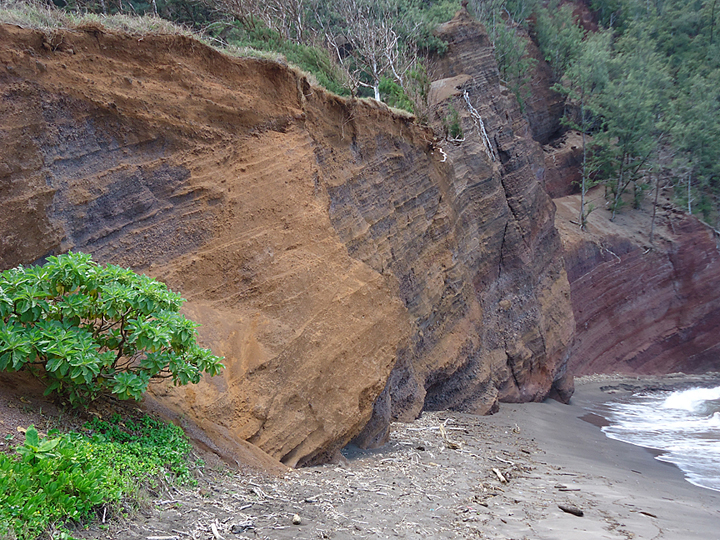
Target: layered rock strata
563,165
492,309
348,267
642,308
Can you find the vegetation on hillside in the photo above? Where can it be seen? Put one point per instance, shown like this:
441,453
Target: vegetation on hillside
54,482
642,89
88,330
646,84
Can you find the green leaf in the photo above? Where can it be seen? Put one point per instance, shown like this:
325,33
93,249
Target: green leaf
31,437
80,319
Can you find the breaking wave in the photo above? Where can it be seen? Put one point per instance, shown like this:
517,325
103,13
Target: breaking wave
683,425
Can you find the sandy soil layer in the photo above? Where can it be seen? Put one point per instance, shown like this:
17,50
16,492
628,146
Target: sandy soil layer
442,477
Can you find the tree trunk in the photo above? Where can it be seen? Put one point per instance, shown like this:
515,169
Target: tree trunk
689,199
583,186
619,188
652,223
376,80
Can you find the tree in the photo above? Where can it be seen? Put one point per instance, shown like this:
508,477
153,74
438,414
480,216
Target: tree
558,36
695,132
368,45
585,80
89,329
514,63
632,105
505,21
289,18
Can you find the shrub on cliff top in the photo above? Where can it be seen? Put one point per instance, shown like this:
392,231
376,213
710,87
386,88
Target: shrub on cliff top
89,329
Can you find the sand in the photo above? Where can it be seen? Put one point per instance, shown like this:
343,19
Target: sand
438,478
623,490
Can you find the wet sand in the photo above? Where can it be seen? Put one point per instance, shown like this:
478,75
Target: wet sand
623,490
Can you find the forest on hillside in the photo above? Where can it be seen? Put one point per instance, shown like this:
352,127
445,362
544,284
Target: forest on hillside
642,81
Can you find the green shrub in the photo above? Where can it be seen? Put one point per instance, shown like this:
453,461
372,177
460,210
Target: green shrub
394,95
90,329
453,128
53,481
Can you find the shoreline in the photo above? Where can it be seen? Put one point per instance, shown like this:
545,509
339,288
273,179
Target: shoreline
457,475
648,497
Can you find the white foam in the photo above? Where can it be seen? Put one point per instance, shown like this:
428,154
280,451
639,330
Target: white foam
684,426
690,400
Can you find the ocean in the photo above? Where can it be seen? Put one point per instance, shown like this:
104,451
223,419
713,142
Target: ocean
683,426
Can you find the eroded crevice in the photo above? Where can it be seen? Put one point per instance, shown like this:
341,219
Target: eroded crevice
502,249
511,367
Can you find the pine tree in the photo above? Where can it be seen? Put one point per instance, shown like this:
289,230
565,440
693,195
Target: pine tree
585,80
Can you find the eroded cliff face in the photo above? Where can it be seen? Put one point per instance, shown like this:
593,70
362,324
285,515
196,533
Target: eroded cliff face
485,283
642,308
348,269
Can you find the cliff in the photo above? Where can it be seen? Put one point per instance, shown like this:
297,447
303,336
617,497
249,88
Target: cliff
484,282
642,308
348,268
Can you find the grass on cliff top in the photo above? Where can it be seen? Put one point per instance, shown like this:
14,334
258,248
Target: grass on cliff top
56,481
41,16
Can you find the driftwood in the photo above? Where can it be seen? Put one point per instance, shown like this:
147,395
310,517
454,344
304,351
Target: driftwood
648,514
396,491
215,531
574,510
500,475
450,444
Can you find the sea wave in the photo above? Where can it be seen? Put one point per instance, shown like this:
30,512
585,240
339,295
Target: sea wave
683,425
694,400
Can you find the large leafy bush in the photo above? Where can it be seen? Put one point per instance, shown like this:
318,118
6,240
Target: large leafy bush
90,329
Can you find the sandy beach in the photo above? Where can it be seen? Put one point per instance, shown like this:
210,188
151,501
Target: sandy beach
453,475
623,491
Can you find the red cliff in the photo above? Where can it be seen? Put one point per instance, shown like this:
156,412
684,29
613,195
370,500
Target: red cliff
642,308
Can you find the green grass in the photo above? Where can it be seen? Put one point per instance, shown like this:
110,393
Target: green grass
309,59
260,43
54,481
41,16
32,15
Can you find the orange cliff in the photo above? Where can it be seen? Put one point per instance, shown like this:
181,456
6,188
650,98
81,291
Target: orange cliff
351,269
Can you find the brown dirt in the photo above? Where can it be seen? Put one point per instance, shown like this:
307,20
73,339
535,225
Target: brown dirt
22,404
